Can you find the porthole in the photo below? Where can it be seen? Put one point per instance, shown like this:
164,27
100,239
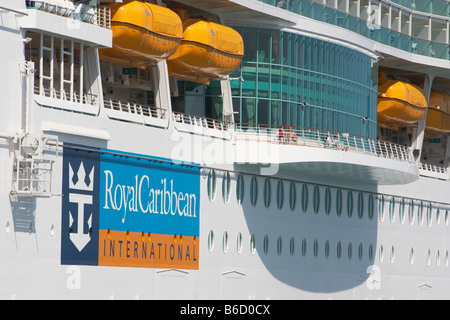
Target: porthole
292,246
304,247
266,244
381,253
350,251
316,199
338,250
420,214
292,196
239,243
254,191
392,210
381,208
438,216
370,252
338,202
305,198
446,259
210,241
279,245
327,201
411,256
402,211
252,244
428,257
280,194
360,205
225,242
392,255
327,249
267,193
360,251
371,207
429,210
240,188
438,258
212,185
349,204
316,248
411,212
447,217
226,187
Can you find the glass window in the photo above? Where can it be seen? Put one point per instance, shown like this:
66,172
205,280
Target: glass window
254,191
280,194
226,187
360,205
250,52
212,185
210,241
292,196
225,242
276,47
279,245
304,197
266,244
252,244
263,45
316,199
240,188
267,193
239,243
338,202
327,201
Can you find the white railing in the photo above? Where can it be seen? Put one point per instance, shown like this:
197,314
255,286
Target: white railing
135,108
326,139
85,98
433,168
204,122
100,16
434,171
104,17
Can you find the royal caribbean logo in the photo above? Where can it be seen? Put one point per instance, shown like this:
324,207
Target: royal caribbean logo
127,211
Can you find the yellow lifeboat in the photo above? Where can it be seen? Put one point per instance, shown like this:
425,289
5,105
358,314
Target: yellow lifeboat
400,103
142,33
208,51
438,116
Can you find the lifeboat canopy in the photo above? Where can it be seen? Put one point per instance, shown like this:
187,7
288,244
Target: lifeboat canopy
208,51
400,103
438,116
142,33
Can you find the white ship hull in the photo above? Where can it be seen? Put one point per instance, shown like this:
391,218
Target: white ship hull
230,230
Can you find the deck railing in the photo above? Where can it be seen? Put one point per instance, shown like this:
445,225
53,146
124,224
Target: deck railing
85,98
205,122
100,16
135,108
326,139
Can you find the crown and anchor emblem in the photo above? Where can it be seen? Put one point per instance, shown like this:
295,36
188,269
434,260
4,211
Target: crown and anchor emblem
81,183
84,182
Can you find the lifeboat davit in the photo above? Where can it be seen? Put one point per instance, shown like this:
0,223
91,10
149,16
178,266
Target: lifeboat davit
438,116
207,52
400,103
142,33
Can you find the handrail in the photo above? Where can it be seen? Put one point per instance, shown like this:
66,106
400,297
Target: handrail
100,16
326,139
87,98
433,168
205,122
135,108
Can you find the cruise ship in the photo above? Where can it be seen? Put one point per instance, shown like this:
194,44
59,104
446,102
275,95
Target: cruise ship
225,149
